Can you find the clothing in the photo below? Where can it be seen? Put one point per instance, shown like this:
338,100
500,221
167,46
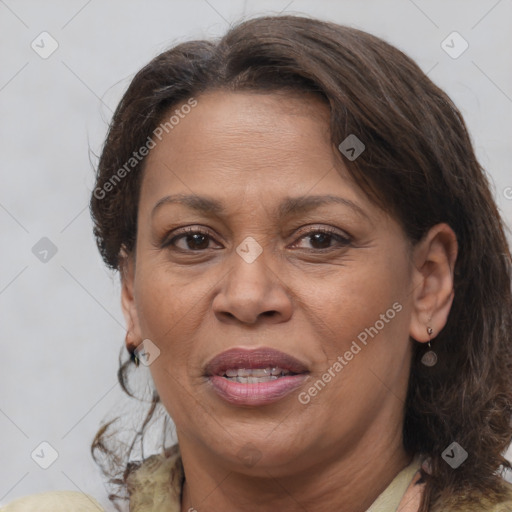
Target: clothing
54,501
156,487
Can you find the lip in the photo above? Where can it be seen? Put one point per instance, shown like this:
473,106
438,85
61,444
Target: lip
253,358
260,393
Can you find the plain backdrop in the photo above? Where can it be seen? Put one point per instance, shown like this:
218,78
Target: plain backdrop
61,324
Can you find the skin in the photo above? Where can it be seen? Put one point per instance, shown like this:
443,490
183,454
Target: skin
305,296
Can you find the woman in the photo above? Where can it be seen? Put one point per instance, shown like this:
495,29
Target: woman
315,272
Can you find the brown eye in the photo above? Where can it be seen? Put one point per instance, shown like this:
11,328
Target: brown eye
322,239
190,239
197,241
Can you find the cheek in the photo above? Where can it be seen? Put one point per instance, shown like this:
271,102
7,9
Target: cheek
167,299
166,313
352,298
366,312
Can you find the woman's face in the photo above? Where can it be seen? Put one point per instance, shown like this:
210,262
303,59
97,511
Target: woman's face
272,246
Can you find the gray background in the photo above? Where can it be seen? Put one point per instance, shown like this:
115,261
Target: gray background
60,321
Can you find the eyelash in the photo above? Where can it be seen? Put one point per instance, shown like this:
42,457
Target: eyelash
343,241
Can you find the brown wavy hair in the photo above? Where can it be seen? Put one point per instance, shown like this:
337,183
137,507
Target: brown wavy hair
419,166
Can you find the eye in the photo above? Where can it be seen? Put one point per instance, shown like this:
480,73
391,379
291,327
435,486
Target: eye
323,239
194,239
190,239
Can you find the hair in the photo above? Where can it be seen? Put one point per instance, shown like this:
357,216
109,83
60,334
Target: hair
419,165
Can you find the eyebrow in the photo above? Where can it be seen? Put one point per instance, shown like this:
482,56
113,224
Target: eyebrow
289,206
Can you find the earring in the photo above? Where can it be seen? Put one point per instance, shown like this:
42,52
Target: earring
430,357
134,358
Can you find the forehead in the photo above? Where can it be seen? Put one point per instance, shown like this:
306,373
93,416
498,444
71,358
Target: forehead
227,123
245,142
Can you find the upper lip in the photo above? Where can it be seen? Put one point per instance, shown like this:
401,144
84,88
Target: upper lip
235,358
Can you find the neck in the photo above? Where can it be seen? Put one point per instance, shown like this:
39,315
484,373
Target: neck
349,481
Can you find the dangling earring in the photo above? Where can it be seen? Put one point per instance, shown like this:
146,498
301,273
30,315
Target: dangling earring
430,357
134,358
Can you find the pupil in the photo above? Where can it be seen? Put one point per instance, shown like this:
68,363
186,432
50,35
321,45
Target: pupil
197,241
321,239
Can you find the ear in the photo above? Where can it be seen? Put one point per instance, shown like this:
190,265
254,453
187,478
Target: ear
128,304
434,259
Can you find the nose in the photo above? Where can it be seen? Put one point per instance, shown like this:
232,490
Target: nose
252,293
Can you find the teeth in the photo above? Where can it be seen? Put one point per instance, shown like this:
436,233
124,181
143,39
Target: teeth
258,373
252,380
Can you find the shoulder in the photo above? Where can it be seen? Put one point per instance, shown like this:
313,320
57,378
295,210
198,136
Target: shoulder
54,501
506,504
501,503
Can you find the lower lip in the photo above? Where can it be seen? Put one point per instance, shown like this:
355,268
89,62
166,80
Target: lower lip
261,393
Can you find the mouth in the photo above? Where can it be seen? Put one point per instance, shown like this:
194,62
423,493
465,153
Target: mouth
254,376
